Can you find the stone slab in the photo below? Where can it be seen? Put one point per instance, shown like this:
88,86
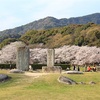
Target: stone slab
66,80
74,72
16,71
22,58
50,57
3,77
55,69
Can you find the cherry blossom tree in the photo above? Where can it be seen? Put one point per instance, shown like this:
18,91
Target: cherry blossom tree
73,54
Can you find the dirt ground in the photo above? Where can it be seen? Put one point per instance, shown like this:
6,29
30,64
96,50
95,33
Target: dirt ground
35,74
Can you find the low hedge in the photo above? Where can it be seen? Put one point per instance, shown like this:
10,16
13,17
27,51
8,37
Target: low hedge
34,66
39,66
64,66
7,66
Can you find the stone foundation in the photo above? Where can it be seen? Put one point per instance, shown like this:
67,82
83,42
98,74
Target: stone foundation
55,69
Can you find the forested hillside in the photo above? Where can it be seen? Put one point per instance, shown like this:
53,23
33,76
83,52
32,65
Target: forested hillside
47,23
81,35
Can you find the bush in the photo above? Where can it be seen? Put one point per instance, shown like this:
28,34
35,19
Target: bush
34,66
63,66
7,66
39,66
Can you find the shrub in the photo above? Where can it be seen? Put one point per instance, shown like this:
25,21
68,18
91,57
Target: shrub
7,66
63,66
34,66
39,66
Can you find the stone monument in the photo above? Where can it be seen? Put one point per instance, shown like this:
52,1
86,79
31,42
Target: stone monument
50,62
22,58
50,57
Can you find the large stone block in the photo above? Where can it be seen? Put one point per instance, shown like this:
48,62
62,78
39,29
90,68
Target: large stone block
3,77
98,68
22,58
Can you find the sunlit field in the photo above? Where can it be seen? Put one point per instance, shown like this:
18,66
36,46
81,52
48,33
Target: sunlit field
47,87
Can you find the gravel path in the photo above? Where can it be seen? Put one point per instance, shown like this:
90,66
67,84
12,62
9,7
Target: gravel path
35,74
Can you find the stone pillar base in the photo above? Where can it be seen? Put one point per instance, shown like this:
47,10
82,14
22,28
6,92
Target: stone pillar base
98,68
55,69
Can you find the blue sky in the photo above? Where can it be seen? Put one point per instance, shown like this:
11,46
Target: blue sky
14,13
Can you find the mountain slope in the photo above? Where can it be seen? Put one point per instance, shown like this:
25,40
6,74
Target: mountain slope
46,23
74,34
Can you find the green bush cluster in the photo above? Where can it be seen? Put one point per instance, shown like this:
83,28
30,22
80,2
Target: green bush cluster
7,41
63,66
34,66
7,66
39,66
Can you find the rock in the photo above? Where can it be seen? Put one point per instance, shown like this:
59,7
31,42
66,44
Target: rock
82,83
16,71
74,72
92,82
3,77
66,80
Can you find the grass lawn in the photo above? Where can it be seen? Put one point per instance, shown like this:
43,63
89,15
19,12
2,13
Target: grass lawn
22,87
